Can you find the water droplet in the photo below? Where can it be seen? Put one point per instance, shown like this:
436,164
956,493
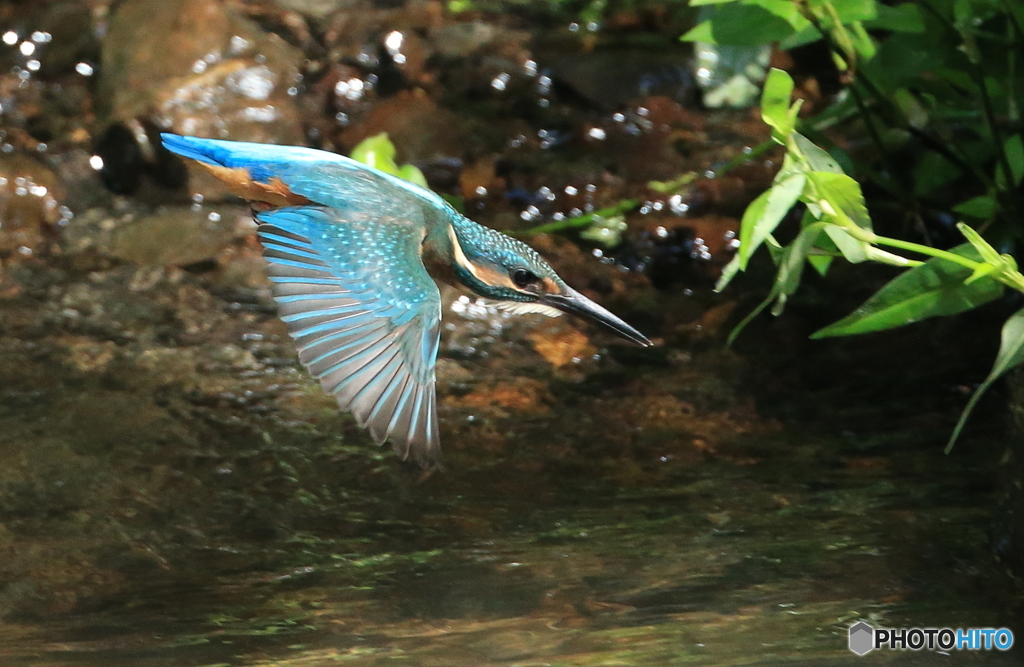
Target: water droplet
10,38
500,82
85,69
393,41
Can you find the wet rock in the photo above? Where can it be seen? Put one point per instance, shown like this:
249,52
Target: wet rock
29,204
179,236
561,344
317,9
458,40
200,68
518,394
170,236
420,128
60,35
609,79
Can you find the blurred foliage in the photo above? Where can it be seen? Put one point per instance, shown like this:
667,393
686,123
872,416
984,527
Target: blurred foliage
934,85
378,152
836,223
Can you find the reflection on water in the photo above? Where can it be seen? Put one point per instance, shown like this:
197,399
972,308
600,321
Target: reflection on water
157,518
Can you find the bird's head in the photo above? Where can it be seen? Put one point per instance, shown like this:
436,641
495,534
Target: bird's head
498,267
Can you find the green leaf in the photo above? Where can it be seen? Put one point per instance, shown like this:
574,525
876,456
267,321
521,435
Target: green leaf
985,250
702,32
853,250
933,289
775,105
821,263
742,24
765,214
933,171
792,265
700,3
983,207
901,18
751,216
378,152
843,194
806,36
817,158
1014,148
850,11
775,249
862,42
911,108
827,249
412,174
1011,354
728,273
787,10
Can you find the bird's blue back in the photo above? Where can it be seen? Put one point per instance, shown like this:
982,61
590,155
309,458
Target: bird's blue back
324,178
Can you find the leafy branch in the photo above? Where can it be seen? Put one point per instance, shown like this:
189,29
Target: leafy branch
836,224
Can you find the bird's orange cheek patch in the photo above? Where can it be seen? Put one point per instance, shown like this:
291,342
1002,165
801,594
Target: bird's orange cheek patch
494,278
240,182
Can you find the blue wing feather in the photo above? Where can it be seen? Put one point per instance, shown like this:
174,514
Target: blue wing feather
372,342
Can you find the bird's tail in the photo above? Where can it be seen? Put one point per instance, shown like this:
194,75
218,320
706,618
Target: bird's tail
202,150
252,171
233,154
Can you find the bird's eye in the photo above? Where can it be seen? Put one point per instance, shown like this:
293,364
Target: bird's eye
523,278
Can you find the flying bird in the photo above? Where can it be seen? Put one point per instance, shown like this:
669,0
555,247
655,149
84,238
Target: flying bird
352,254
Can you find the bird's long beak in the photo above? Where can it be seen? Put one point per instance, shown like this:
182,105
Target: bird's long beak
571,301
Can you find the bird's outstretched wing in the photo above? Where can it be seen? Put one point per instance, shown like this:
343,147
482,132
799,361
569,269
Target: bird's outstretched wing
364,314
345,263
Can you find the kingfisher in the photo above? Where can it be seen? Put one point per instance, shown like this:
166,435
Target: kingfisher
352,254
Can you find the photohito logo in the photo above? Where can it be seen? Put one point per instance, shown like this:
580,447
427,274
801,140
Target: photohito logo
865,638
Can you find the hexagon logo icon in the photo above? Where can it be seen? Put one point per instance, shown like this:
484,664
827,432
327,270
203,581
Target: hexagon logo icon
862,638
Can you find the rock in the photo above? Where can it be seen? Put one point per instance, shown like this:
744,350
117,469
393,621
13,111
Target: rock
178,236
458,40
61,34
29,196
199,67
561,345
417,126
170,236
317,9
612,78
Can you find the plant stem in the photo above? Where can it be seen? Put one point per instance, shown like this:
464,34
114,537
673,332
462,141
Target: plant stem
928,250
582,220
